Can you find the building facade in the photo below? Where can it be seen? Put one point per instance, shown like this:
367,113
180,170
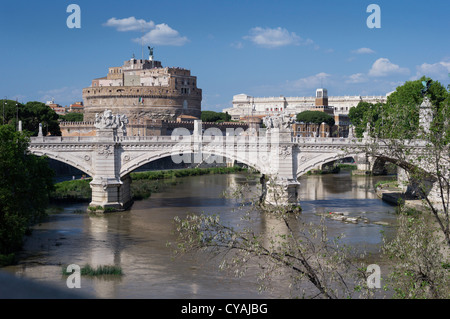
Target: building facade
245,105
341,120
144,89
60,110
76,107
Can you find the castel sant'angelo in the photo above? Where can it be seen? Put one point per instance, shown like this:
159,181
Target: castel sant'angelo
144,89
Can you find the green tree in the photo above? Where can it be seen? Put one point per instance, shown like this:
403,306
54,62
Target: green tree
424,155
419,267
72,117
37,112
25,185
315,117
211,116
362,114
10,109
31,114
399,116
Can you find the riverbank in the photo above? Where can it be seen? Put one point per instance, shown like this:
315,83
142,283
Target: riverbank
143,185
390,192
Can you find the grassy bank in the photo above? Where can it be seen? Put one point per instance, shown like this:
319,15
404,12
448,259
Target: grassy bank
388,183
332,170
72,191
143,185
345,166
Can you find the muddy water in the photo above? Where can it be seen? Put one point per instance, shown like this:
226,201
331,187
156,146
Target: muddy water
136,240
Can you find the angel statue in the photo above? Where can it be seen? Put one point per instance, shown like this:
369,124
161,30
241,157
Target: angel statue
426,87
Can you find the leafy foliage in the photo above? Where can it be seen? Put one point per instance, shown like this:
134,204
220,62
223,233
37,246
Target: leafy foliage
76,190
25,184
211,116
418,260
72,117
362,114
31,114
315,117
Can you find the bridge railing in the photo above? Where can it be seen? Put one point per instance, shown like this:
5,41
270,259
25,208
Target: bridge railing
190,138
324,140
61,139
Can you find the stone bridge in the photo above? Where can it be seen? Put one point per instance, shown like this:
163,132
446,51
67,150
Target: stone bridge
110,157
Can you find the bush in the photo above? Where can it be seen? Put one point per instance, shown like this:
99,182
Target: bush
25,184
76,190
211,116
315,117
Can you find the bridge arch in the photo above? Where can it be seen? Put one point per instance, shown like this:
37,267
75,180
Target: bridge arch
148,158
65,158
329,157
323,159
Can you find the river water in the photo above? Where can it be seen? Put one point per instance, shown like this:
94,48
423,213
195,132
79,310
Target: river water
137,239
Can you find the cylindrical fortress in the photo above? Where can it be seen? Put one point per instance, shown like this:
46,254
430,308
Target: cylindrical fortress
143,89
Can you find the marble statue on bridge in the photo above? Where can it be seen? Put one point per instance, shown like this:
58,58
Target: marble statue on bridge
281,122
109,121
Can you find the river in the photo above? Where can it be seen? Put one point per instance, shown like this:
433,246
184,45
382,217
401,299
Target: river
137,239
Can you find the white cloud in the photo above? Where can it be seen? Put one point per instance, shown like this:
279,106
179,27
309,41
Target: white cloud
310,82
157,34
162,34
363,51
272,38
384,67
237,45
357,78
438,71
129,24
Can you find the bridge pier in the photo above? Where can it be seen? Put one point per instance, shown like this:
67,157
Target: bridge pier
281,187
281,192
111,193
109,190
364,165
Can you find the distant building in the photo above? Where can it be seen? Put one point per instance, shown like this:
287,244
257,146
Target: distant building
245,105
60,110
339,129
76,107
144,90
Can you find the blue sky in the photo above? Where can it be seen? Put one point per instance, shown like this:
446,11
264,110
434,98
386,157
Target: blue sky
261,48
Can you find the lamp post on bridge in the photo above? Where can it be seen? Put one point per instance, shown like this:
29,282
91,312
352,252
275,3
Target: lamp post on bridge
17,115
4,103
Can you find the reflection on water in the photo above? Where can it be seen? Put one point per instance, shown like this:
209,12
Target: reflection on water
136,240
